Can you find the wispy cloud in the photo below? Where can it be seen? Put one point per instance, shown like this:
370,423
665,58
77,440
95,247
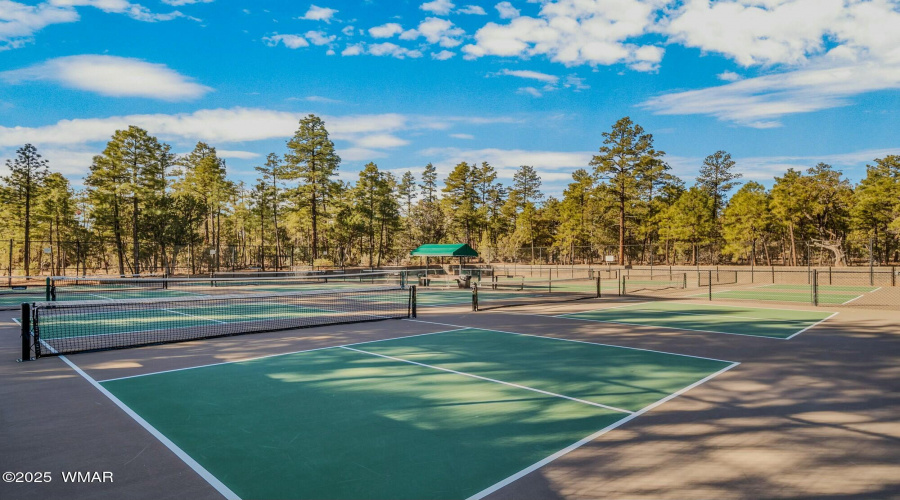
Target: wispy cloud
111,76
289,41
759,102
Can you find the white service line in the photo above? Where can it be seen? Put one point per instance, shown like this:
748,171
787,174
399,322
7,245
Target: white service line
569,340
599,405
279,354
487,491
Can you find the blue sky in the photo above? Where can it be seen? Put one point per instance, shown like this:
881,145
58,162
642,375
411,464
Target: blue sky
777,83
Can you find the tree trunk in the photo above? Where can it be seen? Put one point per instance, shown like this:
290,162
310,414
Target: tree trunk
27,261
134,235
793,244
117,230
622,228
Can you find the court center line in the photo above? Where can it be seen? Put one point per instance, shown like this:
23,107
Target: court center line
569,340
279,354
515,477
201,471
448,370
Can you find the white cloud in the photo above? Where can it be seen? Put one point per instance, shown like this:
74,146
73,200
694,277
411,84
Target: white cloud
759,102
534,75
289,41
393,50
439,7
357,154
316,13
436,30
317,98
506,10
442,55
385,30
462,136
132,10
472,9
242,155
348,30
381,141
533,92
19,22
729,76
575,32
111,76
319,37
754,32
576,83
354,50
178,3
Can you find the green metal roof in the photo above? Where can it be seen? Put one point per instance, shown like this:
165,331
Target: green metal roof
454,250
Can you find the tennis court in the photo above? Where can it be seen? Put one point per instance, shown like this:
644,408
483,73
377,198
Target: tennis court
827,294
443,415
732,320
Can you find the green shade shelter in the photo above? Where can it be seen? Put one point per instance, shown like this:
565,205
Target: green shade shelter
459,250
452,250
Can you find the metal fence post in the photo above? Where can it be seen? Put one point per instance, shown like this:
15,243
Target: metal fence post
710,284
815,287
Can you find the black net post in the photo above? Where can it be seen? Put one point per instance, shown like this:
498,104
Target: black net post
710,284
475,297
599,286
26,332
47,289
412,301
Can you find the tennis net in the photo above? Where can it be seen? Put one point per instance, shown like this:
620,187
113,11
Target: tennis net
637,284
79,326
74,288
503,293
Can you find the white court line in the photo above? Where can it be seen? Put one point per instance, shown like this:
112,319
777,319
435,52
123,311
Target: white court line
195,316
487,491
851,300
812,325
569,340
707,304
510,384
280,354
804,321
190,462
643,325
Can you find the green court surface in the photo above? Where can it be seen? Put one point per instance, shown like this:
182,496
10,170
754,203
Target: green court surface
145,320
443,415
757,322
787,295
823,288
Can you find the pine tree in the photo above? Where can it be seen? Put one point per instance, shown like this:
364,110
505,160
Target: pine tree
625,157
312,159
27,173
